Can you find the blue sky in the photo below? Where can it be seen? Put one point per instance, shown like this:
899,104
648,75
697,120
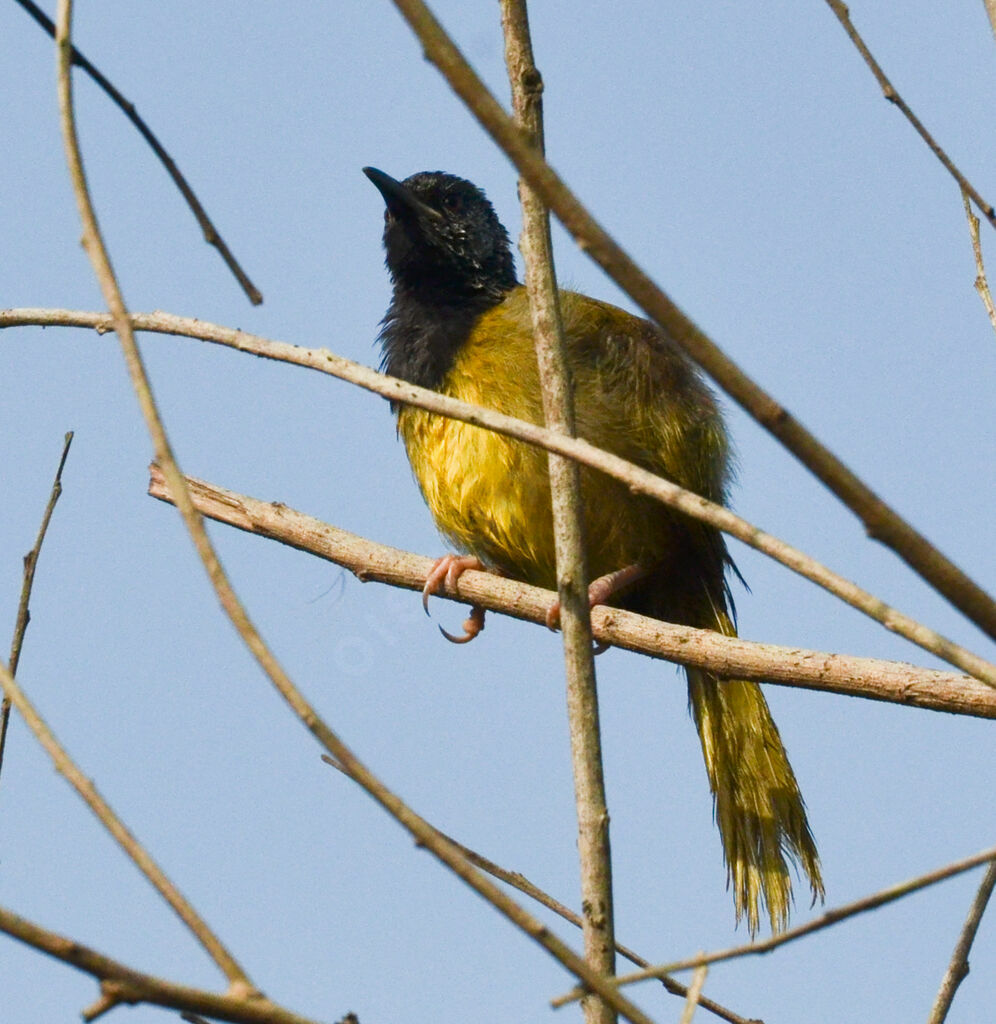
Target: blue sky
746,158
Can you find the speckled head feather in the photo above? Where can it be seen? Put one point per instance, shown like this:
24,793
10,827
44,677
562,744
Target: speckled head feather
449,258
442,237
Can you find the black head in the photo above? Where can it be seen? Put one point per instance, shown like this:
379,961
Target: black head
443,240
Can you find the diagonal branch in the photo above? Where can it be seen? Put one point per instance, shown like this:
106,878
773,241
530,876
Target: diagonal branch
895,682
23,610
879,519
122,984
205,223
889,92
519,881
65,765
957,970
694,995
93,244
831,917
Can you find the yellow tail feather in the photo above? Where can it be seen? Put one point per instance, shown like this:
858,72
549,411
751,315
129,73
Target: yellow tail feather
759,809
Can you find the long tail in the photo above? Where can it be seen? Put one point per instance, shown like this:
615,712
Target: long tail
758,806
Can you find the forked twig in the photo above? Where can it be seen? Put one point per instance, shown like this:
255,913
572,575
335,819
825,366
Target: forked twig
64,764
121,984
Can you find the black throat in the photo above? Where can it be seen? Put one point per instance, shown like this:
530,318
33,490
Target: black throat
420,336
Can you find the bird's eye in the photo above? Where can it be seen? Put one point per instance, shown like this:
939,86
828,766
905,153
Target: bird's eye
452,203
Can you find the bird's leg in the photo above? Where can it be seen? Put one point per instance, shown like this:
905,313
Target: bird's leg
443,576
601,589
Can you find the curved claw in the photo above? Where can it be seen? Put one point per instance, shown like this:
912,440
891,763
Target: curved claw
473,625
443,575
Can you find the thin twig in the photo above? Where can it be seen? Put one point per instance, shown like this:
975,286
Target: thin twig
889,92
229,600
111,996
639,480
23,611
536,244
981,284
65,765
895,682
31,558
880,521
694,994
831,917
211,235
120,983
519,881
957,970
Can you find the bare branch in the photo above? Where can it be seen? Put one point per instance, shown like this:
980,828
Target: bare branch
64,764
957,970
519,881
23,611
569,544
121,984
831,917
211,235
895,682
633,476
880,521
889,92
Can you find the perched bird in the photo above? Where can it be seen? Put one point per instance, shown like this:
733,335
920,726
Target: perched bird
459,323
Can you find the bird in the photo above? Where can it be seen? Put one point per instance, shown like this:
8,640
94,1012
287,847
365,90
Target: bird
459,323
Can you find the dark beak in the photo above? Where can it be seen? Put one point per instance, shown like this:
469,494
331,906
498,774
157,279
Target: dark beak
399,200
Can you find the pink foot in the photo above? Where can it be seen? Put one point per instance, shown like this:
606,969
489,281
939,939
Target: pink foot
443,576
600,590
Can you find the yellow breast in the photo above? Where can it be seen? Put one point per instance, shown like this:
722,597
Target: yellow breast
489,494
